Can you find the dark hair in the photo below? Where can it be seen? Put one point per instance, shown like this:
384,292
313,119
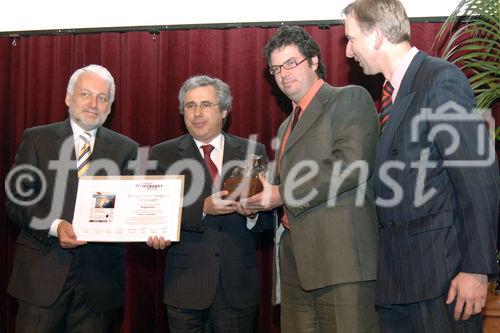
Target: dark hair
294,35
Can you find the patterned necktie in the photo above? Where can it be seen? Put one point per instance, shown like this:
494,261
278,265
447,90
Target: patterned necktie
296,116
383,114
212,168
83,163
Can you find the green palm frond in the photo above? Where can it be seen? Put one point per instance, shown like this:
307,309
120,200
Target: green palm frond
470,38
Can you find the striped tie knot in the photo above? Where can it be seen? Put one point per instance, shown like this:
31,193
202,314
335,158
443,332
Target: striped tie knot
83,162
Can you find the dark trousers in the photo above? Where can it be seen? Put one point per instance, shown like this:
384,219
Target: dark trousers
432,316
342,308
220,317
68,314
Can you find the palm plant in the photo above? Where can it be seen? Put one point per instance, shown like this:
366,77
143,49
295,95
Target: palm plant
471,36
471,39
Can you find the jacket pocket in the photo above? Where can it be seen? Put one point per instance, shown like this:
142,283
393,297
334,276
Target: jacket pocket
437,221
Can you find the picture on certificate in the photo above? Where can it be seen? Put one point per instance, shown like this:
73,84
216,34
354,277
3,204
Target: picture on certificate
128,208
103,206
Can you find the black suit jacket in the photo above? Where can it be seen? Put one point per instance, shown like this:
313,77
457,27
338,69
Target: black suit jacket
425,242
213,246
41,266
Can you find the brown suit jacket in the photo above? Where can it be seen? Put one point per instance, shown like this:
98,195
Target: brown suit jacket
333,243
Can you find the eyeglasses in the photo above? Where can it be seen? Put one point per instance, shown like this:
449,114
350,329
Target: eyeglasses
191,106
289,64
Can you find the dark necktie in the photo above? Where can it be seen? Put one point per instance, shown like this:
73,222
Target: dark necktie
383,114
83,162
295,117
212,168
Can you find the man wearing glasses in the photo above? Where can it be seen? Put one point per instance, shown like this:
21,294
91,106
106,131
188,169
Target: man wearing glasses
211,281
328,248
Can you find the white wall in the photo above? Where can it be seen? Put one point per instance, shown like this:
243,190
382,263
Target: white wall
25,15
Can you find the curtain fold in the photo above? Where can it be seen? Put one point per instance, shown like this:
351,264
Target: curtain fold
149,70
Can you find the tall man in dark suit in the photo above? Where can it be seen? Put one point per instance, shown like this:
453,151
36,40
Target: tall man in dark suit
211,275
62,284
328,249
437,194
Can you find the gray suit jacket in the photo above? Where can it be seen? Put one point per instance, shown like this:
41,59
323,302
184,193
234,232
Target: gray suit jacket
424,244
41,266
333,243
213,247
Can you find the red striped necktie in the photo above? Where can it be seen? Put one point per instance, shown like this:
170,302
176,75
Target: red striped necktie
383,114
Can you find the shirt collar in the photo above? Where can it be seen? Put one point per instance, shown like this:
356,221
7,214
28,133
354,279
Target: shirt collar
217,142
77,130
399,73
304,102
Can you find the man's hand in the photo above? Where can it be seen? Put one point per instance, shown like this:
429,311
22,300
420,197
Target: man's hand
268,199
67,237
158,243
216,205
242,210
471,291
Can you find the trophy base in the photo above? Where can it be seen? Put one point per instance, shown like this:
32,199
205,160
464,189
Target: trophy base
242,187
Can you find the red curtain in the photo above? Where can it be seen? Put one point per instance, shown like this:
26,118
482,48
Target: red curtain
149,70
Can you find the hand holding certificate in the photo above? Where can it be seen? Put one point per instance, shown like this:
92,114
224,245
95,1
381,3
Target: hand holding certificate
128,208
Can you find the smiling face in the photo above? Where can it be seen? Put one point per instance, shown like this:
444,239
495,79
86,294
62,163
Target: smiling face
361,46
206,124
89,104
294,82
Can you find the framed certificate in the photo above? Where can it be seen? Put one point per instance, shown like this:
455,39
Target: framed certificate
128,208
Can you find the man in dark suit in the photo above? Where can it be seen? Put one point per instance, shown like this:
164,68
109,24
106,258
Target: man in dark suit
328,249
437,192
211,275
63,284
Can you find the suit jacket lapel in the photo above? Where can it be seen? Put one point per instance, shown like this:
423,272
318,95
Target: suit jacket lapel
103,145
188,150
310,114
233,151
400,107
63,133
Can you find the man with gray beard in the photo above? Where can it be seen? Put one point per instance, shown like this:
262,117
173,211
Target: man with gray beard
63,284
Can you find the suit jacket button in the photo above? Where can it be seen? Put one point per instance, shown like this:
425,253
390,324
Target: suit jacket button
394,152
217,254
380,226
221,228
